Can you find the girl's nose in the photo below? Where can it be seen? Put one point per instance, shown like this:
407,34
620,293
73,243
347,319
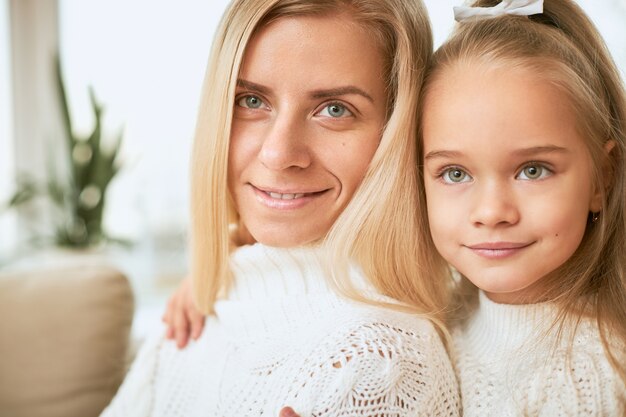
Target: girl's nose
494,205
285,145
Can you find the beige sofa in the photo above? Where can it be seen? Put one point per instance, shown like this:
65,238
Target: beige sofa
64,340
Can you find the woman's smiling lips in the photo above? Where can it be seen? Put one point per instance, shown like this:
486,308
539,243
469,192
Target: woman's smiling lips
287,199
497,250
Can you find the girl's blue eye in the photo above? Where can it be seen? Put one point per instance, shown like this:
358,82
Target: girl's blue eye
533,172
250,102
335,110
455,176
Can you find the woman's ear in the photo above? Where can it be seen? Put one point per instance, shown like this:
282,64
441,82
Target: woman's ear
606,179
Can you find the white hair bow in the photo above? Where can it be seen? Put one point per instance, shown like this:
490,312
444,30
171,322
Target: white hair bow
510,7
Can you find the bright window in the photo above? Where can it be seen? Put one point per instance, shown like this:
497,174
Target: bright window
145,61
7,220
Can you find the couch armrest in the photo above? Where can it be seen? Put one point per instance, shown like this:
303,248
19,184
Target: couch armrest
64,336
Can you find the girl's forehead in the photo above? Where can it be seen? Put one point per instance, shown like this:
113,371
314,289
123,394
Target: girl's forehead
487,108
479,80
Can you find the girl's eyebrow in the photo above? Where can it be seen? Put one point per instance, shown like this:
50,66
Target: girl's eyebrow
537,150
442,154
527,152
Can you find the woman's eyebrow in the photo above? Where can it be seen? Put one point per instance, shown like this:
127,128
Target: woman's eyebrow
316,94
340,91
249,85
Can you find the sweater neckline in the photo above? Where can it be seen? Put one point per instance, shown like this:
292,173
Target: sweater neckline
261,272
495,329
277,290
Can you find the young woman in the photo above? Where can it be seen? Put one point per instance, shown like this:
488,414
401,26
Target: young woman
524,173
303,225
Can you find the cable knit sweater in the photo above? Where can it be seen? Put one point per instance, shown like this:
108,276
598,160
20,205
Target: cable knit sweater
508,365
282,337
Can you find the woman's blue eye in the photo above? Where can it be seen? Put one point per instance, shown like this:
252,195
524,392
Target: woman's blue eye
335,110
455,176
250,102
533,172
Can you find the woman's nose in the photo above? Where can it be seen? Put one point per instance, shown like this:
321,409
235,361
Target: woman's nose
285,143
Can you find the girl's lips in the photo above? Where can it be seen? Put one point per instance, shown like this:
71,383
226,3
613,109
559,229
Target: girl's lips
285,200
498,250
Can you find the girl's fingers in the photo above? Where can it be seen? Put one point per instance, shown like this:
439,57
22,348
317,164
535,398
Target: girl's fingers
288,412
197,324
182,318
181,327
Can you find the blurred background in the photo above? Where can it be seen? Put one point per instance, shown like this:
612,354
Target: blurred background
131,73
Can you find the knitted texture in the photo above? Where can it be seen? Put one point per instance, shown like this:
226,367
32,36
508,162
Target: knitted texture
510,363
283,338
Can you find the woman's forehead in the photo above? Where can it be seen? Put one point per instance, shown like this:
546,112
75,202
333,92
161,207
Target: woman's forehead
315,53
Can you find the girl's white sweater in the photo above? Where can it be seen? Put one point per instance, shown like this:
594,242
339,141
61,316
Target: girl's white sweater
510,363
283,337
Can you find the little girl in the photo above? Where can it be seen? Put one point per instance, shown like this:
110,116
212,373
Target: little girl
522,144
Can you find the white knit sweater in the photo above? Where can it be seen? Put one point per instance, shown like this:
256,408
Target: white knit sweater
508,365
284,338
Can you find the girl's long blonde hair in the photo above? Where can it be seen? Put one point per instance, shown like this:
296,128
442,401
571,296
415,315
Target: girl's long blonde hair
378,228
563,46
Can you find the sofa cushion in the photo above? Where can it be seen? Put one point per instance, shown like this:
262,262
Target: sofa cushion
63,339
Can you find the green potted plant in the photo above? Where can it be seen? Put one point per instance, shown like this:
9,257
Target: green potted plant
79,196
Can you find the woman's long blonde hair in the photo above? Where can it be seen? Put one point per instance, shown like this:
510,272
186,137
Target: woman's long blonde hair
563,46
378,228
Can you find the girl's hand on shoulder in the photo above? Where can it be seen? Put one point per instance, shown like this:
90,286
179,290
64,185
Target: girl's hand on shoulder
182,317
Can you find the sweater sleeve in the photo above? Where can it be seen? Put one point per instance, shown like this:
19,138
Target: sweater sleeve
383,371
135,395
